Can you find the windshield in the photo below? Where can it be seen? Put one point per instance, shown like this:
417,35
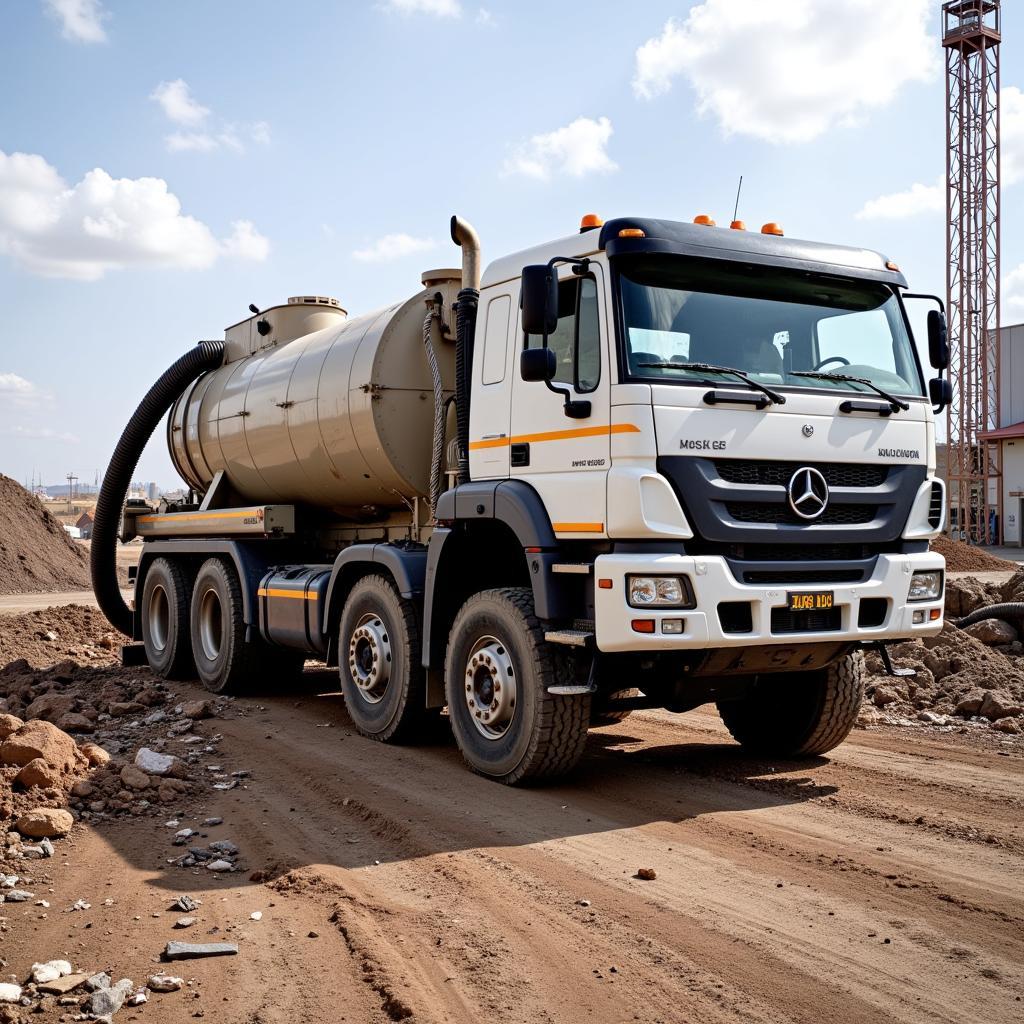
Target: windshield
770,323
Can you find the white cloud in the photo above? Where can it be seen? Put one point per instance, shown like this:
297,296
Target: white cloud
486,18
578,148
179,104
389,248
1013,291
39,434
103,223
1011,134
17,390
437,8
909,203
81,20
786,71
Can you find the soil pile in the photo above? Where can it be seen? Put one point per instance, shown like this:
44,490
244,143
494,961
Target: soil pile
36,553
962,557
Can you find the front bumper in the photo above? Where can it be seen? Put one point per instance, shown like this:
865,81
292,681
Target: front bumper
714,584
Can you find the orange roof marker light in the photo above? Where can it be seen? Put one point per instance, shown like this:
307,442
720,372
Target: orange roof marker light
891,265
771,228
703,218
738,225
590,221
632,233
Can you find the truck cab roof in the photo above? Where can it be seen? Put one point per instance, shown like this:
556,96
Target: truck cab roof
698,240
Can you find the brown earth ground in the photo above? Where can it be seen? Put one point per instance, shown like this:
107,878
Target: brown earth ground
884,882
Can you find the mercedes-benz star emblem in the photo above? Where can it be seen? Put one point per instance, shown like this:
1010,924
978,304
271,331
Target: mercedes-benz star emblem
808,493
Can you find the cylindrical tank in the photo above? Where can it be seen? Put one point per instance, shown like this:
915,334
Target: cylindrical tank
341,418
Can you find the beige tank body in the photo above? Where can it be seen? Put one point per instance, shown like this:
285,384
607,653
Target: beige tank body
339,418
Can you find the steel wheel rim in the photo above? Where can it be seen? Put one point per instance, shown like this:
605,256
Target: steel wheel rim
211,624
159,618
490,687
370,657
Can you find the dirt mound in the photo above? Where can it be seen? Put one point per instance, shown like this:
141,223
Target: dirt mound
36,553
53,634
962,557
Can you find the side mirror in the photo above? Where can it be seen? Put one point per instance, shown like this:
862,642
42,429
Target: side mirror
938,342
940,391
540,299
537,364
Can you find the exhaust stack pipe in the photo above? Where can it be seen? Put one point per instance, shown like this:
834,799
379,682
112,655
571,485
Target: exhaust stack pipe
464,236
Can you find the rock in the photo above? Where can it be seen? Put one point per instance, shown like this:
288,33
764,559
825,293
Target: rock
647,874
219,865
39,739
992,632
184,922
256,915
138,998
83,789
107,1001
50,822
50,971
17,667
196,709
9,993
224,846
98,981
150,696
884,695
1008,724
185,903
164,983
38,773
74,722
971,703
50,706
153,763
95,754
964,594
18,895
192,950
999,704
119,709
931,718
134,778
9,724
210,822
61,986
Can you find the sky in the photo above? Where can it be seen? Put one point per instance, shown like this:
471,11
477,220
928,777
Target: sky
164,164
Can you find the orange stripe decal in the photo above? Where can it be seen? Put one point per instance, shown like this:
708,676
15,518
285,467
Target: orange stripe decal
554,435
297,594
578,527
189,517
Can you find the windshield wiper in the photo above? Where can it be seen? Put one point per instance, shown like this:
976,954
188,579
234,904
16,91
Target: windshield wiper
772,396
895,403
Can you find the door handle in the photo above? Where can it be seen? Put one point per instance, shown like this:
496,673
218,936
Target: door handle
520,454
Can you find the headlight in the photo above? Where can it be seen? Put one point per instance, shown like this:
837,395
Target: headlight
659,592
926,586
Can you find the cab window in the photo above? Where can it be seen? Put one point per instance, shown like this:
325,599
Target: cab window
576,340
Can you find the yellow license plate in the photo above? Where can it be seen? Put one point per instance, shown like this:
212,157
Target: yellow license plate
810,601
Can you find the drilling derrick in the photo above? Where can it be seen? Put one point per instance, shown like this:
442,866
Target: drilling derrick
971,35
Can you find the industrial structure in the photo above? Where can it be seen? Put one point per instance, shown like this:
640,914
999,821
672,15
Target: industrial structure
971,36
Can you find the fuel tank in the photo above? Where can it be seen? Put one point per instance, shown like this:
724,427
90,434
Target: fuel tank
313,407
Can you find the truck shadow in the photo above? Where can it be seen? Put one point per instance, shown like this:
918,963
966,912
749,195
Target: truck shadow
321,797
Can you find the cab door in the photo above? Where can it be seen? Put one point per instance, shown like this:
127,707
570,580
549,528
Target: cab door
564,458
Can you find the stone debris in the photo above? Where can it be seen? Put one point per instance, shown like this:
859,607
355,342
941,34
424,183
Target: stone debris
45,822
184,922
97,981
81,905
9,993
164,983
185,903
138,997
62,986
154,763
220,865
19,895
256,915
211,822
193,950
647,874
50,971
105,1002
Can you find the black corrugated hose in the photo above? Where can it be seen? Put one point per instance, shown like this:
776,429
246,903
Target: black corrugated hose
207,355
465,327
1009,610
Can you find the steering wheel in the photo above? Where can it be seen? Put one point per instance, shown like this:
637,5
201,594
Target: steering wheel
832,359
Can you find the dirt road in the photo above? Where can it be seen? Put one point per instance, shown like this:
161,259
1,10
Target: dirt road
885,883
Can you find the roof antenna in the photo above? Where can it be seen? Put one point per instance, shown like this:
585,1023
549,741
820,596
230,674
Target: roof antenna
736,209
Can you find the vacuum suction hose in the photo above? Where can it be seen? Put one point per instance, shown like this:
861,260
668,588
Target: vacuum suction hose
1009,610
465,328
207,355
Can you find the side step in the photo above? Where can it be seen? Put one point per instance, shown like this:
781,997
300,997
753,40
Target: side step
569,637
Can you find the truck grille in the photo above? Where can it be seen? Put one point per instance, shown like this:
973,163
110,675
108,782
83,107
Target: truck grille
778,474
834,515
791,576
785,621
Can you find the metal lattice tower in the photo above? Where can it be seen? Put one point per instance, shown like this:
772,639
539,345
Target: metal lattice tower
971,34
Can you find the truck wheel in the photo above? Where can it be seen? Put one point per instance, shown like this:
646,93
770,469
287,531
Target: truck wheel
225,663
799,715
165,622
379,662
600,715
497,673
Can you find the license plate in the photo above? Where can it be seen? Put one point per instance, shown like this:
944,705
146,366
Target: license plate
810,600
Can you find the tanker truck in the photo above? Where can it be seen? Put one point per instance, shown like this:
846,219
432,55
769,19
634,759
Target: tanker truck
652,464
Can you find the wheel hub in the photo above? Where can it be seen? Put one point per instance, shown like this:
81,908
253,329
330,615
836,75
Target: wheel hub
159,618
490,687
211,623
369,657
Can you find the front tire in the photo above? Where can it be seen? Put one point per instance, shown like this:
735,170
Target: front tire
497,673
799,715
165,620
379,662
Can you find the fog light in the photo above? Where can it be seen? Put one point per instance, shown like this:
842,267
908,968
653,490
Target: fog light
918,617
672,625
926,586
659,592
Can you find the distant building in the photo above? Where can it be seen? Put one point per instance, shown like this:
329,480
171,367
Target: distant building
153,492
84,526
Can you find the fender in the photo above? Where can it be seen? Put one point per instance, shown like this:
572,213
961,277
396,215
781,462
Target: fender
407,565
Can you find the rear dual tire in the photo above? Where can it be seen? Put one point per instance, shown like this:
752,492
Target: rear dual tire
166,596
